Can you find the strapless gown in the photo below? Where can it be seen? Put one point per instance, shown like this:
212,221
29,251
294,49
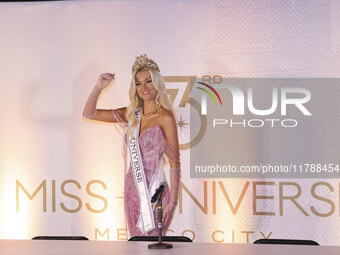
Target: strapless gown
152,150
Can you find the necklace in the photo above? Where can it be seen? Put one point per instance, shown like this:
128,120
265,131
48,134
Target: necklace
149,114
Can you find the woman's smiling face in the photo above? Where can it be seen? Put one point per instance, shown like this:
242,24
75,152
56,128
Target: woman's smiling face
144,86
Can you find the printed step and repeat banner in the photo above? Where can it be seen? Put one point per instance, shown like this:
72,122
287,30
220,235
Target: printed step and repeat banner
255,86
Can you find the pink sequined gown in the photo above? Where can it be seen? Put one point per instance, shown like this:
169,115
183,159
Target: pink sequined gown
152,143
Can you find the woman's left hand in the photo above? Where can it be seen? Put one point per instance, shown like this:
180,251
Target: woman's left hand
168,214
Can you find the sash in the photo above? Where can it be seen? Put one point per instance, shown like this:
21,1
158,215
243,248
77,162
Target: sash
146,219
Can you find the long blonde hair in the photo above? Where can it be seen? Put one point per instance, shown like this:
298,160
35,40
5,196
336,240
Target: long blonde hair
136,101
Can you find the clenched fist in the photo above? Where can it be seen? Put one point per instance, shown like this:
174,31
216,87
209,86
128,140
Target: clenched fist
104,80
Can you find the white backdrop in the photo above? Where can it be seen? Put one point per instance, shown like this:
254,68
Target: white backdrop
51,56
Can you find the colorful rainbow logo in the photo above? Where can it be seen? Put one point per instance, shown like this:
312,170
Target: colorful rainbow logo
209,93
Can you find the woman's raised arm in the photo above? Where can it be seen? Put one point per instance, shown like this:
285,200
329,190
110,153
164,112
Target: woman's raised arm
91,111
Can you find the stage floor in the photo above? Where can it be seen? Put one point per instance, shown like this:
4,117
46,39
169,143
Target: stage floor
40,247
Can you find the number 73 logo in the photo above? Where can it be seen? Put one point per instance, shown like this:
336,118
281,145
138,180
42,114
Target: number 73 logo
179,88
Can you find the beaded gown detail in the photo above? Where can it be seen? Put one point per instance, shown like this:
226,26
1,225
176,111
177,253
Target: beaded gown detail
153,148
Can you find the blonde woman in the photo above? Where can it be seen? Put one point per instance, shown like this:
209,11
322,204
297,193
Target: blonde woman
150,141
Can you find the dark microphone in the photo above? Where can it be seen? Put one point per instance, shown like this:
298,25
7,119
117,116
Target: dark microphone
159,192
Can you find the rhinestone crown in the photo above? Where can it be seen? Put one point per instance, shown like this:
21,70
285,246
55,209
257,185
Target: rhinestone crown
144,61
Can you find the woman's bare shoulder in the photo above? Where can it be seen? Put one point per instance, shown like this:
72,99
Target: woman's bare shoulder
169,126
166,119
